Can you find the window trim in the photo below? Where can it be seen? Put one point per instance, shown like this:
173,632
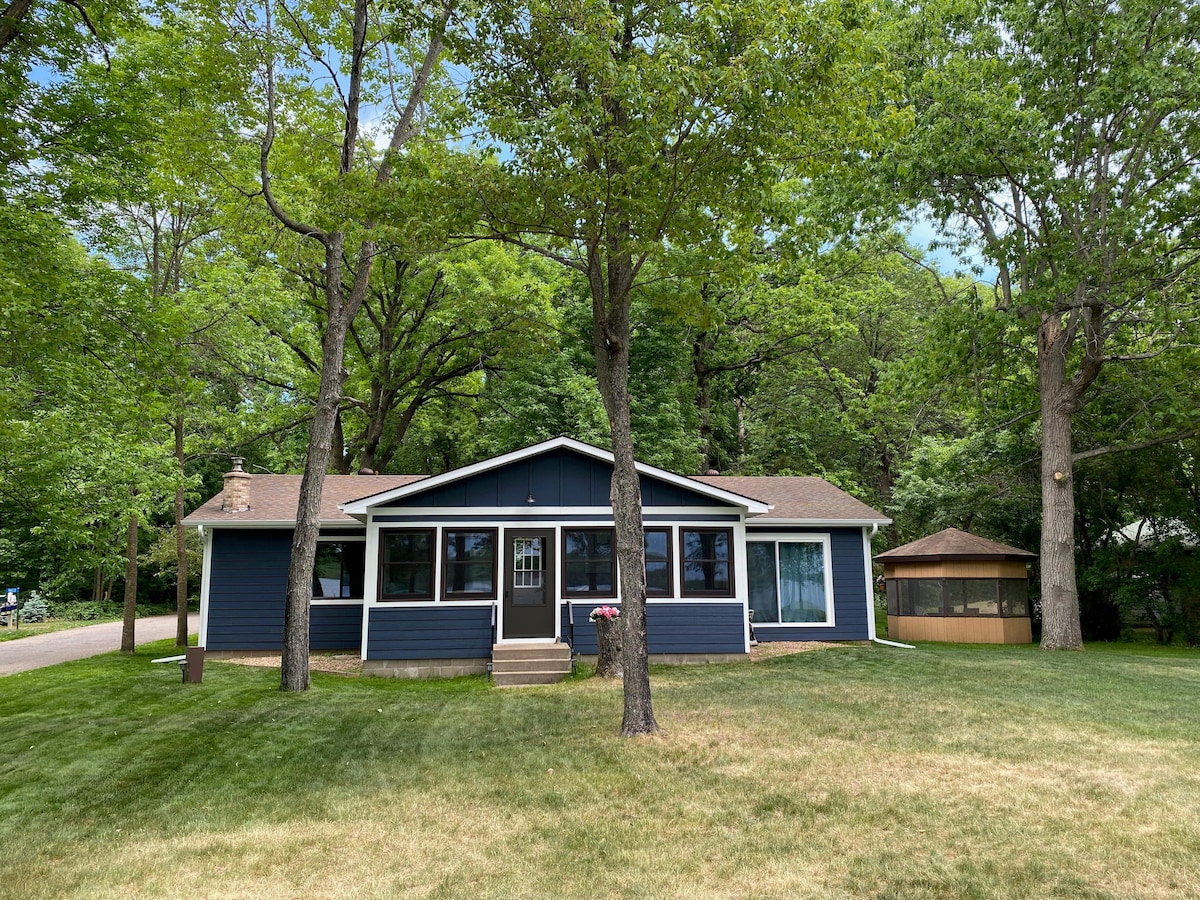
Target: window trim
684,591
444,556
410,598
670,591
784,537
611,531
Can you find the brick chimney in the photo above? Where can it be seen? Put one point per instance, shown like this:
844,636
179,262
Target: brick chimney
236,496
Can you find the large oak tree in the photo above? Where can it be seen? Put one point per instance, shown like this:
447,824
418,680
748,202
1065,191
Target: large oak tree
1066,137
627,129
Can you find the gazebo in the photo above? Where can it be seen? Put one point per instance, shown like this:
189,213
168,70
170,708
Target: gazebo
958,587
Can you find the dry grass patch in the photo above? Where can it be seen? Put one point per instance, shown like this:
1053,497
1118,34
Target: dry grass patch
865,772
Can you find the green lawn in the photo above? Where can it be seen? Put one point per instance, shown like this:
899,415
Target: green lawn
28,629
859,771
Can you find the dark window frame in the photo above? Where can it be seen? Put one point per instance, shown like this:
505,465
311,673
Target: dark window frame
383,564
444,556
670,591
684,591
564,564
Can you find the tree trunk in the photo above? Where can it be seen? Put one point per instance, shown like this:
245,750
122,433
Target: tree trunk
608,648
129,613
181,560
611,298
97,584
293,670
1060,597
703,375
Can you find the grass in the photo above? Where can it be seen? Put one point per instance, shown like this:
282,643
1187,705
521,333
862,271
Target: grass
861,771
28,629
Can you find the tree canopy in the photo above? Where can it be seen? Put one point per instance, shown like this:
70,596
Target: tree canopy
403,237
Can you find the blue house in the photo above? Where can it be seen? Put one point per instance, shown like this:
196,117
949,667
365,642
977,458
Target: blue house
440,575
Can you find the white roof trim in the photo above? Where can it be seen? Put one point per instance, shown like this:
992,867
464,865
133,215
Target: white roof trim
760,524
362,506
265,523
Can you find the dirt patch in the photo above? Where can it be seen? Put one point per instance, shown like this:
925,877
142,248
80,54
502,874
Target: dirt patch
771,649
350,664
336,663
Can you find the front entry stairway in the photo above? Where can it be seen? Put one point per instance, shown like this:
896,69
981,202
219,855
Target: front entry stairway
517,665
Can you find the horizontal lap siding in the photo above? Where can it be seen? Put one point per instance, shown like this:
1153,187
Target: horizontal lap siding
247,593
673,628
247,589
430,633
849,591
335,627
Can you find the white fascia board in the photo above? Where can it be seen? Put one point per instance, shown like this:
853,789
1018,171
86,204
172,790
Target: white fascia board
361,506
268,523
762,524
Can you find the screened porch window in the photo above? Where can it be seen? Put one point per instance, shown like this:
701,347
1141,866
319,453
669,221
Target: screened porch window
788,581
989,597
658,561
406,565
707,562
589,563
470,565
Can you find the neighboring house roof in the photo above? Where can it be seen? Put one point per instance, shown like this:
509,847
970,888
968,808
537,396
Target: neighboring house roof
273,499
798,499
954,544
1150,531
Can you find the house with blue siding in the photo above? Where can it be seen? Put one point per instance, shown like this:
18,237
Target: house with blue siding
449,574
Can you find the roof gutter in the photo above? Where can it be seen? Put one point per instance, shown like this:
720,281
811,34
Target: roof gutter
871,635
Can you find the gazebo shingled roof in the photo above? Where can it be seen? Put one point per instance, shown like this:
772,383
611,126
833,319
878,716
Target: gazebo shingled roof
951,543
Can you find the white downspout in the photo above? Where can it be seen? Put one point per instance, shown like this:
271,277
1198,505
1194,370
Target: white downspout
871,592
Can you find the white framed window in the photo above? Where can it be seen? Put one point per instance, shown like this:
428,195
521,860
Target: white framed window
790,579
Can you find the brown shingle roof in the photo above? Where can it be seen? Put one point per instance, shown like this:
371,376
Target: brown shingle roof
954,544
796,497
273,498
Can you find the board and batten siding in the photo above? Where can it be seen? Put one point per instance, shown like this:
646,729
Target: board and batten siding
429,632
849,589
248,590
555,479
670,627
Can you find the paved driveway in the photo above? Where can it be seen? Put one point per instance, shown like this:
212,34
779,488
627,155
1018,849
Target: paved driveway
79,643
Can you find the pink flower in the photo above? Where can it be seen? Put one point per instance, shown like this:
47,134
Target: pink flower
608,613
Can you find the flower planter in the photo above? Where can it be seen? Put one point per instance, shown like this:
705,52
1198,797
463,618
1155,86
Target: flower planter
608,642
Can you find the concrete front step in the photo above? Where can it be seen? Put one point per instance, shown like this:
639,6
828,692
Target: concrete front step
531,651
514,665
526,679
508,666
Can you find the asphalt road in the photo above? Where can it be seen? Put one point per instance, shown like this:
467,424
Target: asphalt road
79,643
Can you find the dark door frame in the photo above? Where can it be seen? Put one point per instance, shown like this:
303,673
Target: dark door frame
529,612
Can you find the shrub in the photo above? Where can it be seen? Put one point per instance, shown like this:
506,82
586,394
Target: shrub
35,609
85,610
